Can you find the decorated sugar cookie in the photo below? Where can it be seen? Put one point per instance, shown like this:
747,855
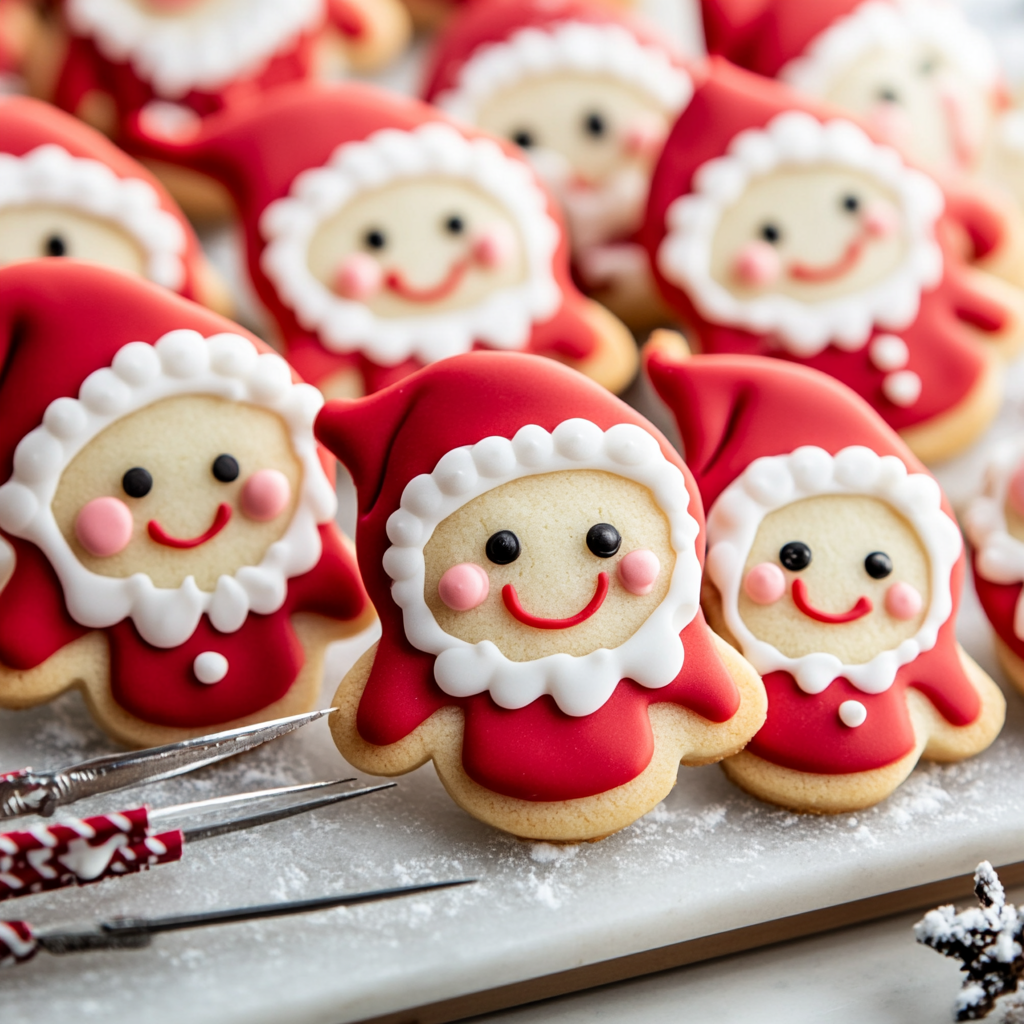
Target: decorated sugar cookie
533,547
158,67
589,93
835,565
995,528
381,237
167,542
780,228
65,190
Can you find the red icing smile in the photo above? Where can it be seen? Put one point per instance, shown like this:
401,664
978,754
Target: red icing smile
511,599
394,281
858,611
841,267
161,536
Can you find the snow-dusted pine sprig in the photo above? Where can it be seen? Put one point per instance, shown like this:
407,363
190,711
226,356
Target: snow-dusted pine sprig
987,940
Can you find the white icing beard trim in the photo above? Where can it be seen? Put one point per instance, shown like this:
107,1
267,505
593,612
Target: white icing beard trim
180,363
50,174
203,49
880,25
503,320
773,482
998,555
652,656
795,139
603,50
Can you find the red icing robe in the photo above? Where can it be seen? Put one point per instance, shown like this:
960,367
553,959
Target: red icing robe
158,684
999,601
539,752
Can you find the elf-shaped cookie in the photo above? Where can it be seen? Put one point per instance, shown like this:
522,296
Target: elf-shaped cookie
533,547
160,66
995,528
777,227
167,541
381,237
835,565
915,71
589,93
66,190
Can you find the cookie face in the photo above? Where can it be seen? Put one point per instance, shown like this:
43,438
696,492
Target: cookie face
550,539
844,575
418,246
812,234
190,486
31,232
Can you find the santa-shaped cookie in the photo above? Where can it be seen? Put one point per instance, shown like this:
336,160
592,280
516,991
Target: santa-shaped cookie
534,548
778,227
160,66
67,191
167,541
589,93
381,237
835,565
916,71
995,528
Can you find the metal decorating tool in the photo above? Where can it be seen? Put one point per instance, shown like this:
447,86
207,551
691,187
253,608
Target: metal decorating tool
30,792
19,942
80,851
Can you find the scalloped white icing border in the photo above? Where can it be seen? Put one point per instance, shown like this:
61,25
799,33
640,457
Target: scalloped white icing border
503,320
50,174
998,555
773,482
880,25
181,362
796,139
652,656
202,50
565,46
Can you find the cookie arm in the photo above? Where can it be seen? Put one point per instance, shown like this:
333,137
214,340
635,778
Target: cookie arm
78,75
988,228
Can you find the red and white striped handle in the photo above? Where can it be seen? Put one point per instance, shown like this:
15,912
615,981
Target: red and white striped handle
17,944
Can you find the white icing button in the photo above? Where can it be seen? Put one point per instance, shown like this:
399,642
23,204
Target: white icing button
211,667
902,388
888,353
852,713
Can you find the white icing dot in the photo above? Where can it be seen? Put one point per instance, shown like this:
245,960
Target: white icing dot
455,474
210,667
768,482
579,440
404,529
38,456
65,418
494,457
421,496
136,363
402,563
630,445
271,379
182,353
902,388
533,445
811,468
231,355
852,713
887,353
857,467
104,392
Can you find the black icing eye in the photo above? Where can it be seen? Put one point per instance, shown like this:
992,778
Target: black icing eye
795,555
375,239
878,565
225,468
503,547
851,204
55,246
771,233
455,225
137,482
604,540
887,94
523,138
595,125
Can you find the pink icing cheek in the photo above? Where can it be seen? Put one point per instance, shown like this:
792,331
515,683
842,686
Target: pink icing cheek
645,138
765,583
1016,491
889,121
881,220
464,587
638,571
757,264
495,247
359,277
902,601
265,495
104,527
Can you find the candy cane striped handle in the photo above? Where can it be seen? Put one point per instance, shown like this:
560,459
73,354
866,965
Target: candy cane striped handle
97,830
17,944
